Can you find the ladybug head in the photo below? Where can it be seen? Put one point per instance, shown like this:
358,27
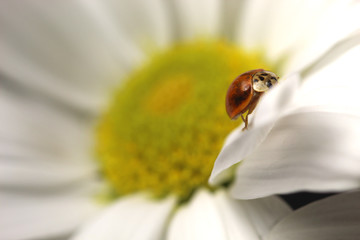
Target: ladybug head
264,80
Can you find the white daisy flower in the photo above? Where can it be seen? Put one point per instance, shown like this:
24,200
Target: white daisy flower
128,96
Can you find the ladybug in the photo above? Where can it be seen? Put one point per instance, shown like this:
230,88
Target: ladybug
245,91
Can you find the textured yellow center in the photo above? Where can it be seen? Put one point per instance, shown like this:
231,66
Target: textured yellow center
166,125
169,94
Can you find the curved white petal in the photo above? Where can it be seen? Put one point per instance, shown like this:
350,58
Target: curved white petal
336,217
333,87
251,23
64,51
208,217
234,152
132,217
230,12
296,30
200,219
264,213
42,217
146,23
336,51
43,175
42,146
315,151
197,18
335,21
240,144
218,216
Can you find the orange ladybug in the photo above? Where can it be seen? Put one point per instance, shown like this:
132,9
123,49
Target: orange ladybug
245,91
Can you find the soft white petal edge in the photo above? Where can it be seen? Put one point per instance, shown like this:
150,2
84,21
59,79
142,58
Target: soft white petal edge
200,219
43,217
42,61
304,35
136,217
337,50
264,213
218,216
197,18
43,147
313,151
333,218
240,144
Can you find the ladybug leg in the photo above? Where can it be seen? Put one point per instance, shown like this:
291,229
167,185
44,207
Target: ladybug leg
245,120
251,107
254,102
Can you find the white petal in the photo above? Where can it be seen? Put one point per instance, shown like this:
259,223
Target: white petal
30,217
199,219
202,219
334,53
234,152
41,174
314,151
231,10
31,122
240,144
334,87
290,24
253,18
132,217
197,18
218,216
42,146
298,30
62,52
336,217
264,213
250,219
145,22
344,19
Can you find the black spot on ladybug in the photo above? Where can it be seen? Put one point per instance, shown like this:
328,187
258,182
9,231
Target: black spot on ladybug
261,78
256,80
268,84
264,74
273,78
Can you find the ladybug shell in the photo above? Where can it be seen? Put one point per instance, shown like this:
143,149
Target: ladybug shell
240,94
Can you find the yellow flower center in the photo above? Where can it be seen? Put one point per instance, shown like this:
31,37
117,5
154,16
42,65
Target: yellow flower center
166,125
